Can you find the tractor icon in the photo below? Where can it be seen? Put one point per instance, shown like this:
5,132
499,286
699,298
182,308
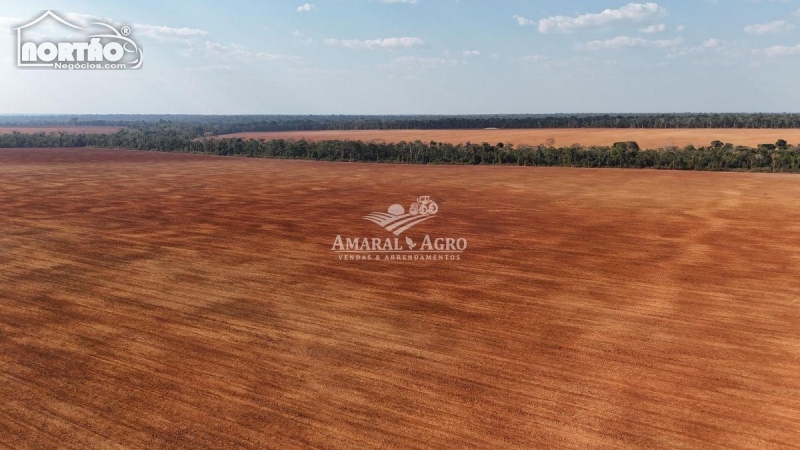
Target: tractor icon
423,207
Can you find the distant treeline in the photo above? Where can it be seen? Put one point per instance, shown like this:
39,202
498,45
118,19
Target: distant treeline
778,157
195,126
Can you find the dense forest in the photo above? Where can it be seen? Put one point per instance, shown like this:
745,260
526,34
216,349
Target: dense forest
778,157
195,126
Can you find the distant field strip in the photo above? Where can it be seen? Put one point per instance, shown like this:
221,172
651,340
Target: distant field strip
647,138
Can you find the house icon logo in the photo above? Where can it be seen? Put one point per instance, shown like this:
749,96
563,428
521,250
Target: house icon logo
104,48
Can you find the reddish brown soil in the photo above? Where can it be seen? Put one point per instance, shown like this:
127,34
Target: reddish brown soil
68,130
161,300
647,138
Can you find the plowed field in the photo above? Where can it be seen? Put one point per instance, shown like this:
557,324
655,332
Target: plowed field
646,138
151,300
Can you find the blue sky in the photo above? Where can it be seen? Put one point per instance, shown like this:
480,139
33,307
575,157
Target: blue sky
424,57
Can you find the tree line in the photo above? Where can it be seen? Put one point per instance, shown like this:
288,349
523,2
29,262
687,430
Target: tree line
718,156
196,125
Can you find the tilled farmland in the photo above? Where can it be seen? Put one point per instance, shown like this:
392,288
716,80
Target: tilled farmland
647,138
169,300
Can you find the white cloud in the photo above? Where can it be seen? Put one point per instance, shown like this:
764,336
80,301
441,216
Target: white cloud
780,50
299,37
47,26
627,42
84,19
138,29
10,21
307,7
6,23
631,12
776,27
471,53
541,61
51,28
713,44
534,58
212,68
411,2
680,28
316,72
421,63
157,31
654,29
241,53
372,44
522,21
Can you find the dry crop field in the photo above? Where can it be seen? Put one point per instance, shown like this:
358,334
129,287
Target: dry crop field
646,138
152,299
68,130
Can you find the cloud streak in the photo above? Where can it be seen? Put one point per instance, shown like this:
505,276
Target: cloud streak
235,52
420,63
776,27
780,51
158,31
374,44
632,12
620,42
